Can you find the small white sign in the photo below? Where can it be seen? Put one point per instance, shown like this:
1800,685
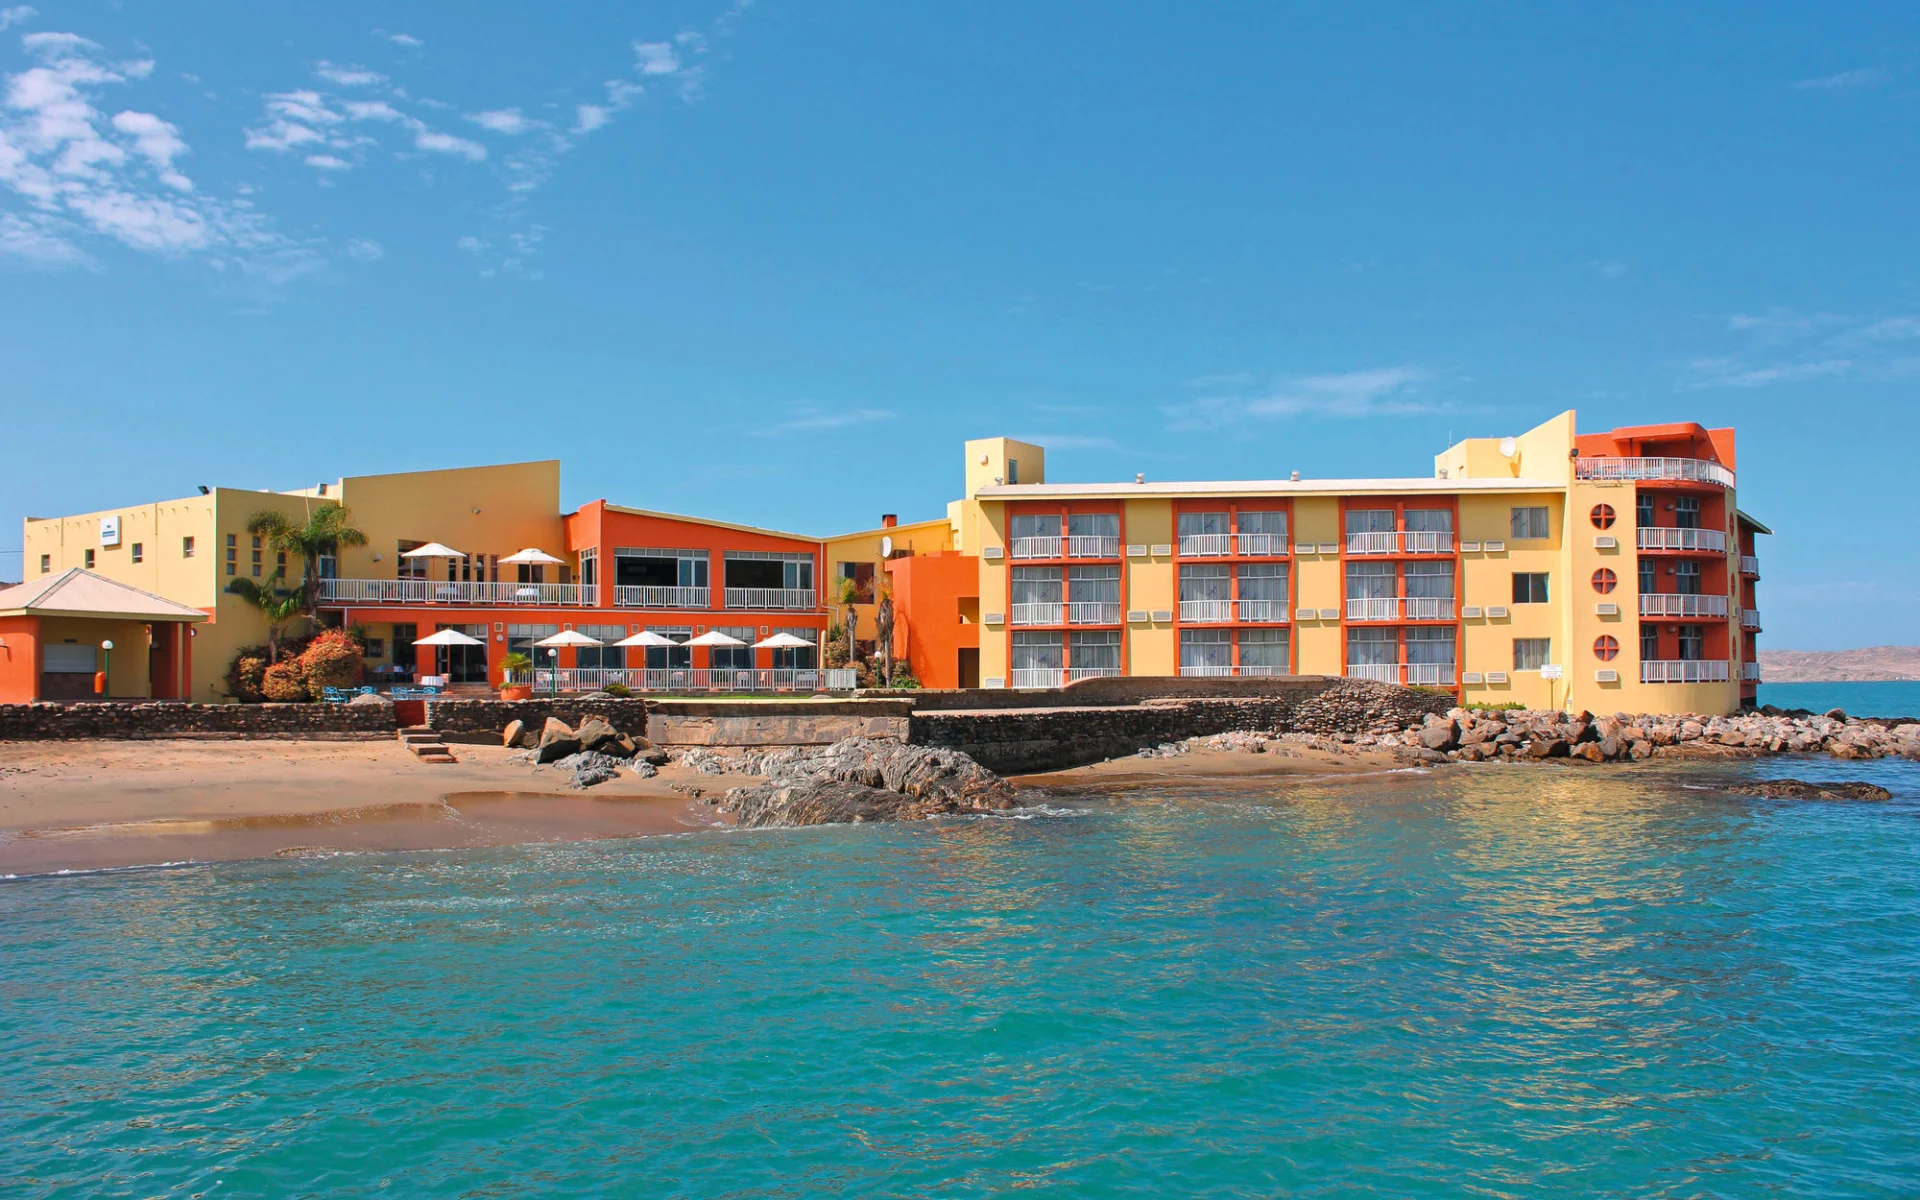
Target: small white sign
1550,671
109,531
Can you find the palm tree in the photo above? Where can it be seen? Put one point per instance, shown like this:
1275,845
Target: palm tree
845,592
327,528
277,604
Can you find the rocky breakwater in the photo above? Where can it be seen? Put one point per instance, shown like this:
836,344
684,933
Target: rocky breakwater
866,779
1478,735
593,753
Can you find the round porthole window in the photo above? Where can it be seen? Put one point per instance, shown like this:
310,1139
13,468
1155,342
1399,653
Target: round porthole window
1604,580
1605,647
1603,516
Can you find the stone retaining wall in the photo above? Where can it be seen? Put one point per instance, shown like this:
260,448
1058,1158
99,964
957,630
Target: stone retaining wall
1120,690
479,717
56,722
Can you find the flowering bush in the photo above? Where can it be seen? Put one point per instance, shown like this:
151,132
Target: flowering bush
285,682
332,659
243,675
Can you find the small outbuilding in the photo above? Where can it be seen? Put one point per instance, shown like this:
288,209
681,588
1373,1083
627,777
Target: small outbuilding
59,633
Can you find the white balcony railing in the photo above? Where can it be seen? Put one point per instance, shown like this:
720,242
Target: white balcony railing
1092,612
1427,541
1260,545
1242,671
1385,542
686,679
1750,618
1750,566
1709,541
1669,604
1429,674
1092,545
1683,470
1683,671
1077,673
1429,608
1378,672
433,591
1270,612
1750,672
773,598
1036,614
1206,545
1034,547
1204,612
631,596
1039,677
1378,608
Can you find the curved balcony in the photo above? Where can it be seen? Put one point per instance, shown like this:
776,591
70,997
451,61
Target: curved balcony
1749,566
1698,541
1676,470
1675,670
1750,619
1669,604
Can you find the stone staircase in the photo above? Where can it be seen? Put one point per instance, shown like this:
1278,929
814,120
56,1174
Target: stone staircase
426,744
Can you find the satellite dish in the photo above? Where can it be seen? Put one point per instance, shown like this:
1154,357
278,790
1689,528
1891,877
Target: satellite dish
1507,446
886,547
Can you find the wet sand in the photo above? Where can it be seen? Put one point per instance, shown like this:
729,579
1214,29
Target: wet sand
92,805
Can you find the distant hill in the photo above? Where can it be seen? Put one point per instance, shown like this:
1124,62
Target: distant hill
1867,665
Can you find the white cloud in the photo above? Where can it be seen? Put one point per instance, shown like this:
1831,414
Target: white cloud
655,58
1860,78
401,39
807,418
589,117
313,121
19,14
348,76
365,250
159,142
1782,346
1385,391
1729,372
446,143
509,121
327,162
34,243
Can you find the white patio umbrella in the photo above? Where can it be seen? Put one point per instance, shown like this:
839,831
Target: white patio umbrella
533,558
566,637
432,550
783,641
648,638
448,637
713,637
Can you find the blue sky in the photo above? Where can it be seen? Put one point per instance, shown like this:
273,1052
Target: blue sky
772,262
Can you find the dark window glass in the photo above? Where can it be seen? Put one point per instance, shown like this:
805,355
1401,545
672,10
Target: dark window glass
1530,587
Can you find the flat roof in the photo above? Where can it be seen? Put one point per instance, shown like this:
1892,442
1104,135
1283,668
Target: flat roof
1259,487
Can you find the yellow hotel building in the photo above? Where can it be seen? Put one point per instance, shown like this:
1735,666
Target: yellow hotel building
1611,571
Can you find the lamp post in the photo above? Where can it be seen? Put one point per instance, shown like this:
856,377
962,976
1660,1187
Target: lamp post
106,668
553,669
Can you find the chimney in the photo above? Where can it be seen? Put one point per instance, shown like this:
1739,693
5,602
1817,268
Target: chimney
889,520
1139,477
1295,477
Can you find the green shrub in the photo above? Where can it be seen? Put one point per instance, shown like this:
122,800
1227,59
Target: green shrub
245,672
285,682
619,690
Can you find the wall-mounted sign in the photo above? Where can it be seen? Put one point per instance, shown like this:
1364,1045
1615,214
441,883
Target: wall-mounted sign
109,531
1550,671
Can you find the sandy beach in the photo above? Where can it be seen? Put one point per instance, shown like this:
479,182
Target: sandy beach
92,805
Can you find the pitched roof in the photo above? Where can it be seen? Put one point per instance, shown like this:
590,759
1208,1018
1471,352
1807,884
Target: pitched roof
78,593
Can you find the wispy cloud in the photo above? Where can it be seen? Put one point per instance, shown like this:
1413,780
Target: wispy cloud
1069,441
806,418
509,121
1731,372
19,14
1383,391
400,39
332,132
85,175
1783,346
348,76
1857,79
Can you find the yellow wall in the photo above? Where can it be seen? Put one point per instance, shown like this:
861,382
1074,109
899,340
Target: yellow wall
1153,586
1319,583
921,537
479,510
128,664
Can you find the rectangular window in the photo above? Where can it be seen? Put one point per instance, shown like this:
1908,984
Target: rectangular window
89,560
327,565
1265,581
1204,533
1094,585
1094,653
1102,525
1643,510
1686,512
1649,577
1530,654
1369,520
1529,587
1013,470
1371,581
1029,525
1430,580
608,656
280,562
403,650
376,647
589,568
1206,651
1372,647
1693,643
233,555
408,568
1208,582
139,552
1529,523
662,568
1263,651
1686,578
46,563
1649,643
1037,658
1430,520
769,569
733,658
1036,586
860,574
186,547
257,552
1262,532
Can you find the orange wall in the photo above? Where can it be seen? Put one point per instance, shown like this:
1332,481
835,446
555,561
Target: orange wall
19,659
927,591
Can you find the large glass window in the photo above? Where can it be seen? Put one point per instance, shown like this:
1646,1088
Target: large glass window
1649,643
1529,523
1649,577
1428,580
1429,520
1270,524
660,568
860,574
1530,654
1371,581
1204,533
799,659
1693,643
732,658
1529,587
1038,659
1686,512
1264,581
1686,578
1263,652
606,655
1028,525
677,657
1037,585
1643,510
1104,525
768,570
1372,647
1205,582
1094,593
1095,653
1206,652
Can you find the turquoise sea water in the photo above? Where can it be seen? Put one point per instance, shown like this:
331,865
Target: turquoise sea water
1896,699
1502,981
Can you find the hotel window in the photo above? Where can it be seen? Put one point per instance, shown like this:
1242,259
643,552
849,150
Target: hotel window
733,658
1263,532
1206,652
1037,594
1372,647
1037,658
1649,577
860,574
233,555
327,565
1686,512
89,560
1013,470
1094,653
1104,526
1530,654
1649,643
1034,535
1371,581
257,555
608,656
1686,578
1263,591
408,568
1203,532
1263,651
1529,524
1094,586
521,639
1643,510
798,658
670,658
139,552
186,547
768,569
375,648
46,563
1206,592
1429,520
1529,587
1693,643
1431,646
661,568
404,654
589,568
280,561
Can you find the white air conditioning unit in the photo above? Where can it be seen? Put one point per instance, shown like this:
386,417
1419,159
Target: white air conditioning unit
1163,614
1473,677
1497,612
1136,615
1605,676
1472,612
1606,610
1136,550
1162,551
1496,676
1469,547
991,552
993,618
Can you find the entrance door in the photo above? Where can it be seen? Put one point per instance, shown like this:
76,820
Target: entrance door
67,672
970,668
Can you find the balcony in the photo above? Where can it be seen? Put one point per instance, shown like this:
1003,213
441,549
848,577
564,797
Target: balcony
1683,671
432,591
1260,545
1243,671
1676,470
1089,545
1039,677
1377,608
1263,612
683,679
1749,566
1206,545
1034,547
1206,612
1036,614
1411,674
1378,672
787,599
1750,619
1429,608
1699,541
1373,543
1075,674
1750,672
1427,541
1093,612
1669,604
630,596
